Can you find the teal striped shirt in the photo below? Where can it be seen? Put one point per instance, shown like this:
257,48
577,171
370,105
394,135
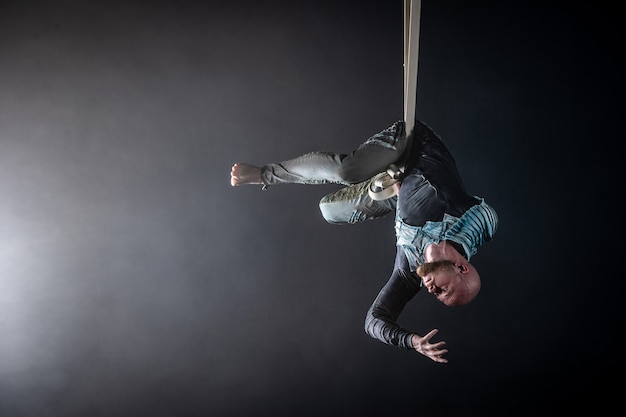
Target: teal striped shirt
475,227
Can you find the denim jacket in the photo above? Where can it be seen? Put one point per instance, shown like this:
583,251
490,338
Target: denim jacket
475,227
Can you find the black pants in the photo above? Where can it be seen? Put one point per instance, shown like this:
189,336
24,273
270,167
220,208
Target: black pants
432,185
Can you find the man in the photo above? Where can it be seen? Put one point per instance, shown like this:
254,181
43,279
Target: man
438,225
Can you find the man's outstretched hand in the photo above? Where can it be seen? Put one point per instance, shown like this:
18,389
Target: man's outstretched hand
434,351
241,174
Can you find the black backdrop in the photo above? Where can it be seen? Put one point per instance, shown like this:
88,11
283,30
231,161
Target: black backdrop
135,281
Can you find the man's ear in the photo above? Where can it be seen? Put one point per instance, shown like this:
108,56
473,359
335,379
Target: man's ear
463,268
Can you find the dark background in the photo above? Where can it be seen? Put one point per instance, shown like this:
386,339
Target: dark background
136,282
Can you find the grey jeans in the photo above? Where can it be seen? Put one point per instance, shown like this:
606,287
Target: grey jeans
350,204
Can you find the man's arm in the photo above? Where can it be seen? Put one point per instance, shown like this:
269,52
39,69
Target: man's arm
381,319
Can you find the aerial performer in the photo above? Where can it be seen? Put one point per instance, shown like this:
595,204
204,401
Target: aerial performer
405,169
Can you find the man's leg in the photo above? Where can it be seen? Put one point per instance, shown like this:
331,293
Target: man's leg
353,204
372,157
348,205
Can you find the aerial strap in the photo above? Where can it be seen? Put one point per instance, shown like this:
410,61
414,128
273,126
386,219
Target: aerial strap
381,186
412,12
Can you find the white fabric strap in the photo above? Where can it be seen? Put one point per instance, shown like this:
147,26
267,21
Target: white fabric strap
412,14
381,187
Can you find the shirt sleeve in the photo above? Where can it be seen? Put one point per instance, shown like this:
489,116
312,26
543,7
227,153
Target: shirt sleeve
381,318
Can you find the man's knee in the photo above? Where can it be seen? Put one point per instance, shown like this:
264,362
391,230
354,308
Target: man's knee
334,212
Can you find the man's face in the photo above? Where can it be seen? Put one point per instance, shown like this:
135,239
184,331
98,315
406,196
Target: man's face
444,280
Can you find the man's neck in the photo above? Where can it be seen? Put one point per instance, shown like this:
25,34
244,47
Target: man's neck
444,250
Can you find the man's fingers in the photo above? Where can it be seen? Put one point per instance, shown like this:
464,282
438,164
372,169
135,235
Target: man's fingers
430,334
437,356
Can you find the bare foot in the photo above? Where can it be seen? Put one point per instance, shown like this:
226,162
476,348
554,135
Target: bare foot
241,174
